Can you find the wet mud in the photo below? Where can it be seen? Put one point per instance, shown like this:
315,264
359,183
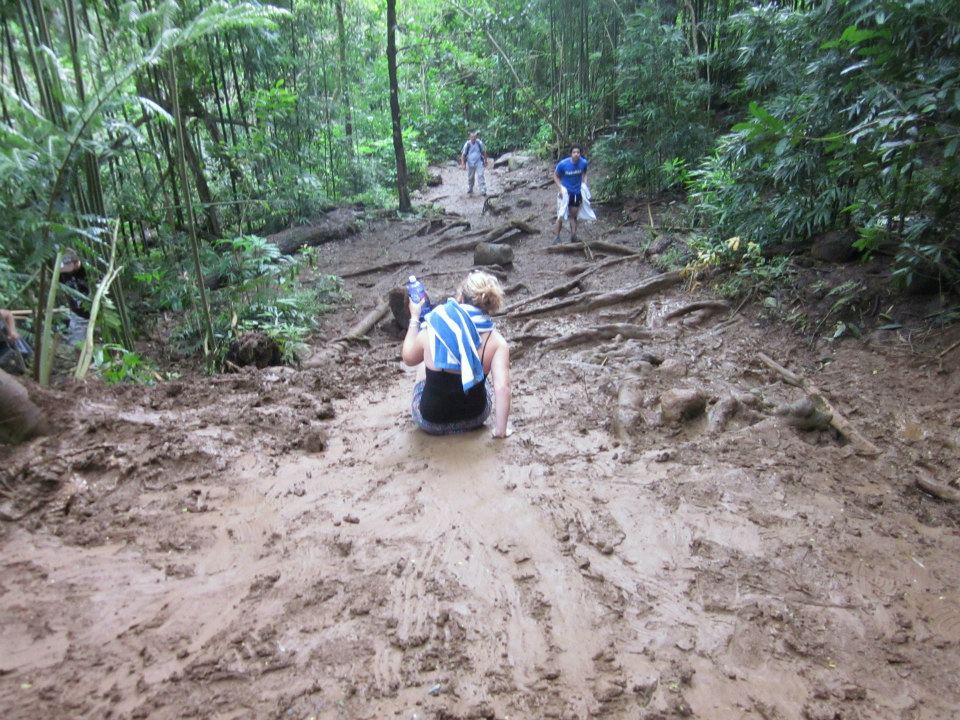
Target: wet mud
658,539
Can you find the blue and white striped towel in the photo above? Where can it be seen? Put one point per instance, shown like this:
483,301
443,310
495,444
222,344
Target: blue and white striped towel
453,331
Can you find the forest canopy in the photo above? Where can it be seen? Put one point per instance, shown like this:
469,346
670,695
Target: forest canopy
162,140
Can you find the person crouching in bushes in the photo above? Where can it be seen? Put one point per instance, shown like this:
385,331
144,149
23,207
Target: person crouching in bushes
459,348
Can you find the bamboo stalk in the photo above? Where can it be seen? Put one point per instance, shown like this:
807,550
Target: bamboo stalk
191,220
45,351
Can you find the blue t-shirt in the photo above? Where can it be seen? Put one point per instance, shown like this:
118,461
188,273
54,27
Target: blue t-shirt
572,175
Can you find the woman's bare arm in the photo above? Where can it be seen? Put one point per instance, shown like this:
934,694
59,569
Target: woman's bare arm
412,351
500,367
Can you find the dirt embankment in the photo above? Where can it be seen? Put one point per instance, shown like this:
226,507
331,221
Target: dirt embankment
673,531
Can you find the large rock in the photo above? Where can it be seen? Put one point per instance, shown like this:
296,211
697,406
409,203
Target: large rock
492,254
434,179
20,418
518,161
834,247
682,404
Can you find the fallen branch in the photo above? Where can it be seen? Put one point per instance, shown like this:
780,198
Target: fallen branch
712,305
600,246
367,322
335,226
938,490
601,332
952,347
377,268
861,444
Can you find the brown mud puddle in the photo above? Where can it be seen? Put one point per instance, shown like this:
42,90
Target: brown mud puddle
283,543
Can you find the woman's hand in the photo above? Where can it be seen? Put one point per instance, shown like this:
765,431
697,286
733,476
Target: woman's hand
415,308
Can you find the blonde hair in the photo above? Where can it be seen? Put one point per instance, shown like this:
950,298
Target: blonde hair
482,290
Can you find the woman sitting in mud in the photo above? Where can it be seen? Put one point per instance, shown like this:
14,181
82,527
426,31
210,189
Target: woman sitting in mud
459,348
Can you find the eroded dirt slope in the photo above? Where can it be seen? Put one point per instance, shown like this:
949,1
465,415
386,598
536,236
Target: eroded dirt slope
283,543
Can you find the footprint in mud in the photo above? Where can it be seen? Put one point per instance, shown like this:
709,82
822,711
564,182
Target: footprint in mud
945,618
411,622
881,582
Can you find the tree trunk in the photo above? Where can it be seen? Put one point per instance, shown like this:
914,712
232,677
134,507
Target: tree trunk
344,78
402,192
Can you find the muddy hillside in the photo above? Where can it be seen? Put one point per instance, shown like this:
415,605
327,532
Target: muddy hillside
700,514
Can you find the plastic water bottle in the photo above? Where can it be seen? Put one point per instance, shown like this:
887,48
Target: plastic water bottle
418,293
415,289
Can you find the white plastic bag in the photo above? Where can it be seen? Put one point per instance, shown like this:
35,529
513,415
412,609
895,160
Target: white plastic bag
586,210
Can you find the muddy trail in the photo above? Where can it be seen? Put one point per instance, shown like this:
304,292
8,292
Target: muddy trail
674,530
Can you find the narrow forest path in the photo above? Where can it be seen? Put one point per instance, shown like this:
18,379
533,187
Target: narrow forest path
658,539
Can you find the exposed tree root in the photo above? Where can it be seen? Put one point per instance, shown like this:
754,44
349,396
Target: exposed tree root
514,289
938,490
553,292
644,289
464,246
432,226
559,305
600,246
564,288
861,444
377,268
601,332
521,225
713,306
594,300
583,267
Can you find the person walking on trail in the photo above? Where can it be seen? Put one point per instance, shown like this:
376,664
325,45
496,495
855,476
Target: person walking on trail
569,176
473,156
14,351
73,275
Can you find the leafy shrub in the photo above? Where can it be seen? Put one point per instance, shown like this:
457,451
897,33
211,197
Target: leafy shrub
115,364
664,101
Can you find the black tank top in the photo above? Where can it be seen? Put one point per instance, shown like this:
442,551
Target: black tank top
443,399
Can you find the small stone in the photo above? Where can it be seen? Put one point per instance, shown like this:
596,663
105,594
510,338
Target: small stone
352,519
672,367
314,440
682,404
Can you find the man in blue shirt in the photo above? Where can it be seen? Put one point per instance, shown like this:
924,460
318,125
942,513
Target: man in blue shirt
569,175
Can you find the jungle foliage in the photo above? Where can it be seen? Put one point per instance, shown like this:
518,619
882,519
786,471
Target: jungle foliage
202,127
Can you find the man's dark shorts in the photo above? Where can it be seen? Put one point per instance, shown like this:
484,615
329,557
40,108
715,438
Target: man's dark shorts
576,199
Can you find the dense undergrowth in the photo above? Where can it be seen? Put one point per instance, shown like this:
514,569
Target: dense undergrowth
202,127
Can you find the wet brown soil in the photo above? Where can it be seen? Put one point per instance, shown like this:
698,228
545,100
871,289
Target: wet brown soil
282,543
